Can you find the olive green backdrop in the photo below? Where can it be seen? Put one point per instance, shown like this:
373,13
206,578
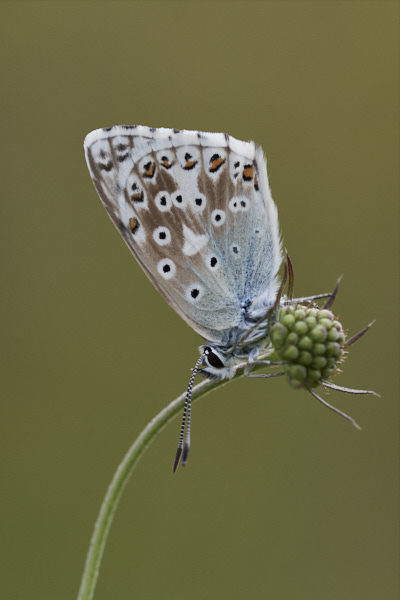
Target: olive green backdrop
281,499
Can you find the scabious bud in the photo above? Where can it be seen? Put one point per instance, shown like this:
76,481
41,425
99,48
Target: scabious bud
312,342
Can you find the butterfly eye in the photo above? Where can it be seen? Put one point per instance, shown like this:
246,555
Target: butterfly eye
213,359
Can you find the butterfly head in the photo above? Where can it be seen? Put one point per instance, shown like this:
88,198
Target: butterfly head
218,363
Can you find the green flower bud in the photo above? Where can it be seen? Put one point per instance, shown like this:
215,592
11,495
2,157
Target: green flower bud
319,362
292,338
319,349
334,349
291,353
318,334
314,375
278,334
300,314
305,343
298,372
333,335
311,322
312,342
325,314
288,320
327,323
300,327
305,358
326,372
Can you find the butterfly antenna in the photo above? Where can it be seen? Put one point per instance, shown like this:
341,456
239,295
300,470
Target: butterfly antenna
186,411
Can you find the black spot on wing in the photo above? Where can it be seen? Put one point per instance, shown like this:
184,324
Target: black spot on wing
106,166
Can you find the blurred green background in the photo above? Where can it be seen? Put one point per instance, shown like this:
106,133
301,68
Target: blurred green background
281,499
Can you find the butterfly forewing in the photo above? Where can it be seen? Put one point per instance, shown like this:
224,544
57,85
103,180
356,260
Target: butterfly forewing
196,211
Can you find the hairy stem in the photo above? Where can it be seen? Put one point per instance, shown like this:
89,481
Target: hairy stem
121,477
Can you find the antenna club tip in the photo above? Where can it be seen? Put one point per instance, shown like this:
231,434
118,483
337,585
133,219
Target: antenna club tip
177,459
185,454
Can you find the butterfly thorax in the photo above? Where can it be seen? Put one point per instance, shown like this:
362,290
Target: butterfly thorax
248,342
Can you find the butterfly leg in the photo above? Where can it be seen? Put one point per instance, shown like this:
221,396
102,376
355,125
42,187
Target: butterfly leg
251,363
247,374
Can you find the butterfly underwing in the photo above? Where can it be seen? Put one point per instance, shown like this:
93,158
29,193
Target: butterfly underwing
196,211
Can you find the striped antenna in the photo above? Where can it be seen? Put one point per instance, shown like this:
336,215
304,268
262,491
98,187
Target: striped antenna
186,411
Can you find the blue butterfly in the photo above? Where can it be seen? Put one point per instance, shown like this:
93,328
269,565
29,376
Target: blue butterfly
196,211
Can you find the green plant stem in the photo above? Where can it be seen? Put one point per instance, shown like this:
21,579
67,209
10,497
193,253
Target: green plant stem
121,477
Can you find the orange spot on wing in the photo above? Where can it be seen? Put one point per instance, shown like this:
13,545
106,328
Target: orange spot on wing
190,164
165,162
137,196
216,164
133,224
248,173
149,170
